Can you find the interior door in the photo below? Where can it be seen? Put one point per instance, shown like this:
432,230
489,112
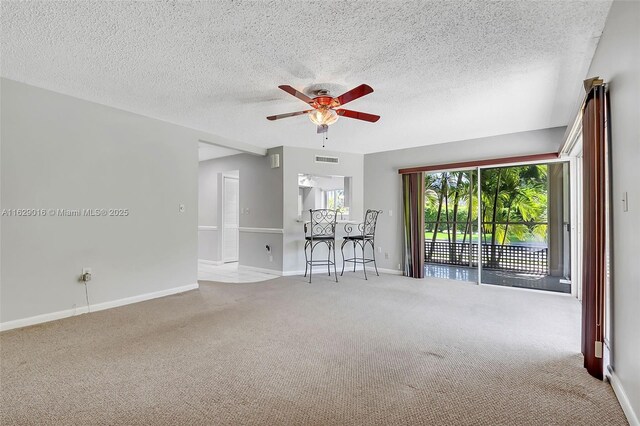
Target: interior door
230,218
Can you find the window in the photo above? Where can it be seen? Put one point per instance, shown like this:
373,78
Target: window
334,199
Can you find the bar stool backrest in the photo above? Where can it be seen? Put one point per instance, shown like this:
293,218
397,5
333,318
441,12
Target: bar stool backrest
323,223
369,224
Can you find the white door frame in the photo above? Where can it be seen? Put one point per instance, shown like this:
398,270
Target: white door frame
224,177
573,152
575,170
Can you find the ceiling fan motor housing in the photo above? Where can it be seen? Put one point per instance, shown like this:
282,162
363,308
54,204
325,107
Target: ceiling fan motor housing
327,101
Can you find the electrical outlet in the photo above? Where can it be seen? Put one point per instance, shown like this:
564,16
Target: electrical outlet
270,258
86,275
390,212
386,255
379,249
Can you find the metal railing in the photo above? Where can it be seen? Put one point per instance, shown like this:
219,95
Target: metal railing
512,258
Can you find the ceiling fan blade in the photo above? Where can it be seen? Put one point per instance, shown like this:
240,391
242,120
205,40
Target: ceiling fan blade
322,128
358,115
290,90
289,114
353,94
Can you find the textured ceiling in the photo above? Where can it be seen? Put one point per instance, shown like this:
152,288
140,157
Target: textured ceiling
441,70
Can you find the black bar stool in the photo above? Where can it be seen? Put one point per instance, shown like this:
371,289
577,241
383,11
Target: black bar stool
321,229
366,236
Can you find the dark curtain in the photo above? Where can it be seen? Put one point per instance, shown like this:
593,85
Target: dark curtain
594,228
413,212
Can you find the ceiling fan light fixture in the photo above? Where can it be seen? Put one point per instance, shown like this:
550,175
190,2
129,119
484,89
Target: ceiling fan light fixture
323,116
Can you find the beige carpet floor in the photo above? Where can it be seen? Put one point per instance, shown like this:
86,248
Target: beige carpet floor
390,350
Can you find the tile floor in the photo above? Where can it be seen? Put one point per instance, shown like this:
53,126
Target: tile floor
230,273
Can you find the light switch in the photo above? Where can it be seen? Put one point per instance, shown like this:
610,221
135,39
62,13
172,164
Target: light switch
625,202
390,212
181,208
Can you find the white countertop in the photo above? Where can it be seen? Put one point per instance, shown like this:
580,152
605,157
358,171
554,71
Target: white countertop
338,221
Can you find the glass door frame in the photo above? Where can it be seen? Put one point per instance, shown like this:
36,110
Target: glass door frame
478,173
472,171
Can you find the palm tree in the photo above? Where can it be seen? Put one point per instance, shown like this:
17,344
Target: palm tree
514,194
435,188
459,193
513,207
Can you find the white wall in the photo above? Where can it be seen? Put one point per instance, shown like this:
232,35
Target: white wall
383,188
617,60
60,152
302,160
261,203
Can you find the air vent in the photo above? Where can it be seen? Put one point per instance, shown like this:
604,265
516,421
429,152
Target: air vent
325,159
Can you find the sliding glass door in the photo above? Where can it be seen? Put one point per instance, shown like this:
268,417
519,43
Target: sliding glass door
519,228
524,220
451,225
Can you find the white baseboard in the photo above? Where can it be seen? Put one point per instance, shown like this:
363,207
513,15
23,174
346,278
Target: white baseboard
316,271
143,297
632,417
261,230
39,319
263,270
211,262
358,269
390,271
301,271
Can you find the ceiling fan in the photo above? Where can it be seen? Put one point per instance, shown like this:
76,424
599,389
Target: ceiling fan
324,112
